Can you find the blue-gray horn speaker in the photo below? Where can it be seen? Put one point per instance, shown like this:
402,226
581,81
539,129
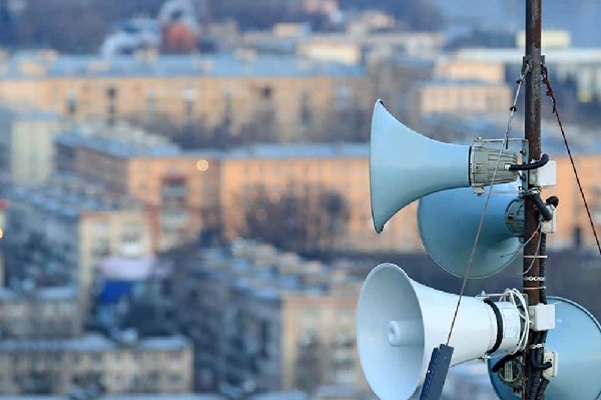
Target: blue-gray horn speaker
448,222
405,165
576,339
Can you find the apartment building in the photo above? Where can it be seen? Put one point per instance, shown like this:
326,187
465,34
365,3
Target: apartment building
222,90
452,68
461,97
582,65
26,145
54,366
180,189
573,226
57,234
266,321
194,191
31,313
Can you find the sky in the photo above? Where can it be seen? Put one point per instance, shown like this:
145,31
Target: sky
581,17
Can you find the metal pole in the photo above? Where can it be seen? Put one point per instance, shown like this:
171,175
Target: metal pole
532,134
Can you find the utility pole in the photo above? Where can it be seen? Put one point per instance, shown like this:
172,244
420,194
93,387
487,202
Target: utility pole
532,133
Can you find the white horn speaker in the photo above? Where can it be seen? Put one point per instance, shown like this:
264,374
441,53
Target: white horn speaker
448,222
405,166
400,321
576,339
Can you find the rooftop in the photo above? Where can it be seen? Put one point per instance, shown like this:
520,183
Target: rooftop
459,83
514,55
91,342
11,114
116,147
123,397
69,197
287,151
263,273
125,149
23,65
49,293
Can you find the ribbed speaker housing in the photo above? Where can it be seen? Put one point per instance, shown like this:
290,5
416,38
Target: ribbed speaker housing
488,165
577,340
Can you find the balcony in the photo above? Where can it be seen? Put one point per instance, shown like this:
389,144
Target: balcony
132,249
174,191
174,219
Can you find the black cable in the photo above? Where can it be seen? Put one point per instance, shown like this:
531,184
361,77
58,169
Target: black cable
533,165
532,383
545,75
553,200
542,207
540,394
536,359
538,366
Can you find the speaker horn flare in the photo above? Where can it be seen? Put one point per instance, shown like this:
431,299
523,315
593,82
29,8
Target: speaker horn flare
405,165
400,321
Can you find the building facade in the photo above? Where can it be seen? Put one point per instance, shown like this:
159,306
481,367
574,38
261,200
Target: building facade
267,321
26,145
55,366
461,97
226,91
192,192
58,233
32,313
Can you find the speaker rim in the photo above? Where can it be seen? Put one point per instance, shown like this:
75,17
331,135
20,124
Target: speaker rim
415,298
371,168
517,245
496,384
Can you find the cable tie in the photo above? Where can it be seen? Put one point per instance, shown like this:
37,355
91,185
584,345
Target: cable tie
535,288
535,256
534,278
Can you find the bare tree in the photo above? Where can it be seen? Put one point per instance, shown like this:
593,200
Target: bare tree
297,220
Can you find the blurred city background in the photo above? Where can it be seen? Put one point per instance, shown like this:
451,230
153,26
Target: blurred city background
184,184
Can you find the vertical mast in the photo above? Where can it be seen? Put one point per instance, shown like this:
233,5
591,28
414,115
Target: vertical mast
533,135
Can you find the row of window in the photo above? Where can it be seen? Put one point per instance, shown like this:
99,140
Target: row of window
52,359
152,380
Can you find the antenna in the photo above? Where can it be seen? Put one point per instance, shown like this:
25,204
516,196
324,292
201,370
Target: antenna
401,324
533,281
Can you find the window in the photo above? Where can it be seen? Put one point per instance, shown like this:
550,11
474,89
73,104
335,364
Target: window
111,96
306,115
228,110
342,98
150,106
189,95
72,103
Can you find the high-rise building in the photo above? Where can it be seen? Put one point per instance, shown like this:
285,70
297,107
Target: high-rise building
57,234
26,145
267,321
